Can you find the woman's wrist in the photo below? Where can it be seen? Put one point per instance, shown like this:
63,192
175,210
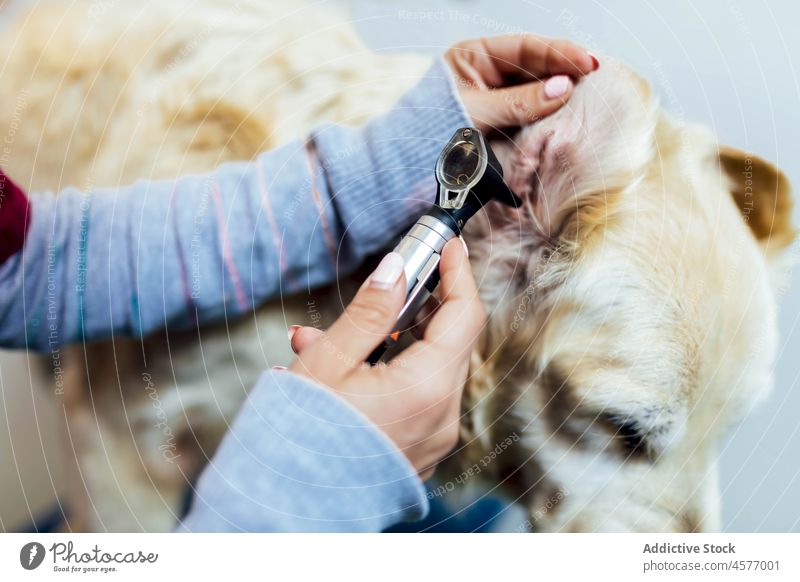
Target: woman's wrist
381,176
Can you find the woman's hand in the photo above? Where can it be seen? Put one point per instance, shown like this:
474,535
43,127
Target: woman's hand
415,398
513,80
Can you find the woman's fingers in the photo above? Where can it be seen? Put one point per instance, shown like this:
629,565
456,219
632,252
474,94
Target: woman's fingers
497,58
542,57
458,321
461,316
517,105
514,80
301,337
366,321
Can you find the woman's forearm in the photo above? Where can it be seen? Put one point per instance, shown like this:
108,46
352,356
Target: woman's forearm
299,458
174,253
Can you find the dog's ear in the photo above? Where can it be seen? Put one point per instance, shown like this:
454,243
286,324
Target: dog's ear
570,166
764,198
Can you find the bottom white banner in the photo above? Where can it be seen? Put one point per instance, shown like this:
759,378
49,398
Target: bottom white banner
400,556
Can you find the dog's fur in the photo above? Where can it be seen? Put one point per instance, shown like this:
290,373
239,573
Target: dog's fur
632,312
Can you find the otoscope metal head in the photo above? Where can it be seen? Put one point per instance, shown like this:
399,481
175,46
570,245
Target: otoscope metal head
470,176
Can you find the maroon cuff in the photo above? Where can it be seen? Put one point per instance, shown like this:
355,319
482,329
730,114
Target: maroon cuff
14,217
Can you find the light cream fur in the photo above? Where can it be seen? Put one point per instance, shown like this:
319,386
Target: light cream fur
628,297
636,325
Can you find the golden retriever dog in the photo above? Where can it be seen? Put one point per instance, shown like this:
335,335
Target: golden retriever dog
632,298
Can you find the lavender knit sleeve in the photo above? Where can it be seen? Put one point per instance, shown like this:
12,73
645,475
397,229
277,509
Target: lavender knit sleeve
299,458
201,248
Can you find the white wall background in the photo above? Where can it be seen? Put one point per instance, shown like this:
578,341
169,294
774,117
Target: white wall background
728,64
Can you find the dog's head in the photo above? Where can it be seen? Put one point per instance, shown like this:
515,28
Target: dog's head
632,305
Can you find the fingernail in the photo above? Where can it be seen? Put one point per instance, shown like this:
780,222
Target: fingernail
279,368
595,60
464,244
290,333
388,272
556,86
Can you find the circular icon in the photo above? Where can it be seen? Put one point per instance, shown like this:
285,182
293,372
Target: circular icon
31,555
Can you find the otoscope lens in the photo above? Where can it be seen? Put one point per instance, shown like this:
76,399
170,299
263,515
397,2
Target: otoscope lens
462,163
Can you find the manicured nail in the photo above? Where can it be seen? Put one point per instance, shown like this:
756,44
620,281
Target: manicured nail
388,272
556,86
290,333
595,60
279,368
464,244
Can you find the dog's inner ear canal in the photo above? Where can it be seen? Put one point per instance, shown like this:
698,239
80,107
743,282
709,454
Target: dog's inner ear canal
762,194
570,167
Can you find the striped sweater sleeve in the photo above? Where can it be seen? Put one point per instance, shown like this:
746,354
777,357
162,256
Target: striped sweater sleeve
201,248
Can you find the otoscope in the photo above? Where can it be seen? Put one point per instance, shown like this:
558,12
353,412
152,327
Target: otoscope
469,177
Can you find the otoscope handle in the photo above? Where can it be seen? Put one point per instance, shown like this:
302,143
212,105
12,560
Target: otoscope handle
469,177
421,249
